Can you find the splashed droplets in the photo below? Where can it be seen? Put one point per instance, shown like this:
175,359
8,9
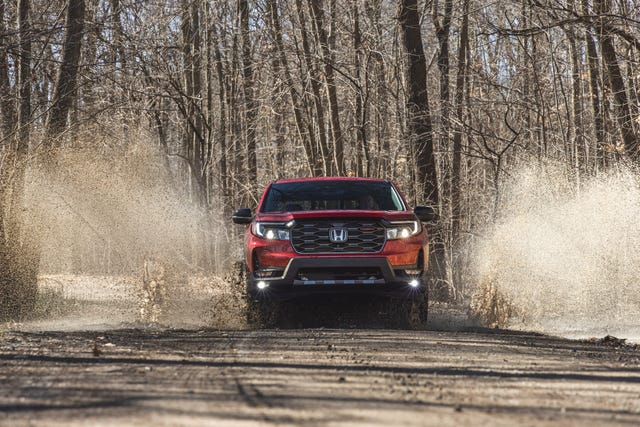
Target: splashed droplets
566,261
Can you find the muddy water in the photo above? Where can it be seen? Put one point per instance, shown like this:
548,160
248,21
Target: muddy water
74,302
94,303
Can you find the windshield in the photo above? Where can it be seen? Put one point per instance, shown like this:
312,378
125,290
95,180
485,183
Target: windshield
332,195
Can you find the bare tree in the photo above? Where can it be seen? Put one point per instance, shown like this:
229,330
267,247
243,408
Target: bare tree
614,74
192,105
66,81
421,137
419,113
311,77
249,97
456,172
18,257
334,111
7,105
442,25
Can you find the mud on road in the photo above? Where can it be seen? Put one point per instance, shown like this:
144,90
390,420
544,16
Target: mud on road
170,377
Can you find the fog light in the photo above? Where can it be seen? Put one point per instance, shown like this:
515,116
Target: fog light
414,283
262,285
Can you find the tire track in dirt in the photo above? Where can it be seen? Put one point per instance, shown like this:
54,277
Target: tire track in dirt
247,387
355,377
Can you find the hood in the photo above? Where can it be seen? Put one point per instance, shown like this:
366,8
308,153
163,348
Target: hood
288,216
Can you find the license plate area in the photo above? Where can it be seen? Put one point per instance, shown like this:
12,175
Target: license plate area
339,276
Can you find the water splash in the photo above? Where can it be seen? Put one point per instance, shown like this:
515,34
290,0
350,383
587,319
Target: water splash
564,259
100,215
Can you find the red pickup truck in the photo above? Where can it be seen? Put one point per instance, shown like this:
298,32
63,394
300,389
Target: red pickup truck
336,235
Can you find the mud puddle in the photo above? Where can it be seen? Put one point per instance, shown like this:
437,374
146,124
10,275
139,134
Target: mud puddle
93,303
72,303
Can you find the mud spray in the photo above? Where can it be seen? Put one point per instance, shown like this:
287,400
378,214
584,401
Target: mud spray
122,244
114,221
563,258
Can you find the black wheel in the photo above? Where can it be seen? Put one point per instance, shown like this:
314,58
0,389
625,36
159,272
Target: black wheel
418,310
410,313
262,312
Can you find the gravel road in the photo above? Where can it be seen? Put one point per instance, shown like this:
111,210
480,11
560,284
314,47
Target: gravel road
88,361
352,377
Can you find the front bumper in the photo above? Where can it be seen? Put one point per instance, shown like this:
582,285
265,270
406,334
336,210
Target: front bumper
383,280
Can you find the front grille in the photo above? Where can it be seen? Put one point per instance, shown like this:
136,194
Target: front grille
363,236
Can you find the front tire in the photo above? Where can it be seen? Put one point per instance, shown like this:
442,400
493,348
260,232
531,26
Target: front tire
261,311
411,313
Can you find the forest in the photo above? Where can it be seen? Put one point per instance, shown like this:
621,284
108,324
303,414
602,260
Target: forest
133,128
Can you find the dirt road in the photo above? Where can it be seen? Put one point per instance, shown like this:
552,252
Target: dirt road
168,377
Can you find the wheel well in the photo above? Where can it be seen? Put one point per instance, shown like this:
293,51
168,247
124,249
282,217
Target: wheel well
420,260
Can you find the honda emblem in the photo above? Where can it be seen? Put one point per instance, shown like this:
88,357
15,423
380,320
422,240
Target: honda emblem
338,235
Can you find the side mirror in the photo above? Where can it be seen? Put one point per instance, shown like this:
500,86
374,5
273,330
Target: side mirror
242,216
425,213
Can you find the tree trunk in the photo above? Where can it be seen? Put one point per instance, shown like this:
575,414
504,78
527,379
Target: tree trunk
237,173
24,125
419,113
222,129
421,134
594,88
379,109
327,57
363,158
249,99
614,74
306,138
277,140
321,148
66,81
193,138
456,173
6,97
7,108
579,149
18,256
443,27
198,140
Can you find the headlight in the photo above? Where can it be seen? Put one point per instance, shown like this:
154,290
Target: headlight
271,231
402,230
